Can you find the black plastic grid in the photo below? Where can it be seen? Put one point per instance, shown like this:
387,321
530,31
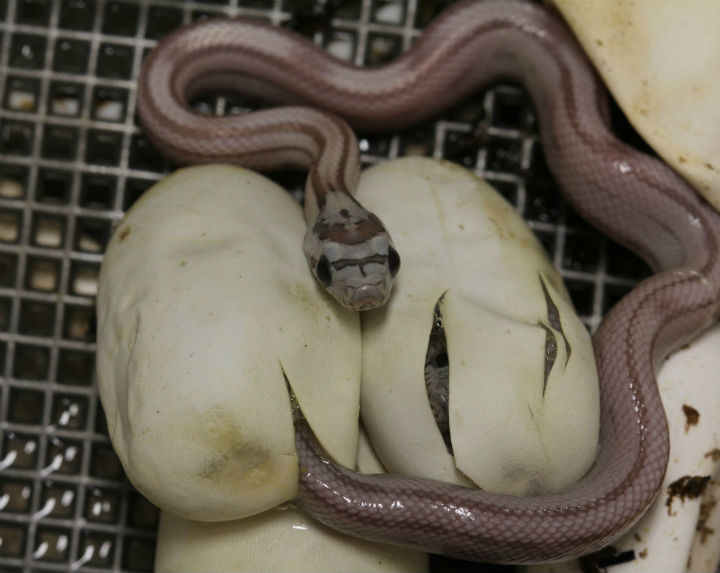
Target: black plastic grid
73,159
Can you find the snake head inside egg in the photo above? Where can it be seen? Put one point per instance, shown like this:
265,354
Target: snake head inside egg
352,255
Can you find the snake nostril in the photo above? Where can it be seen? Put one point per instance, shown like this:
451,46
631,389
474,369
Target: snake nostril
322,271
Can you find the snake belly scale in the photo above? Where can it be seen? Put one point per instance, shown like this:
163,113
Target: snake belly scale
630,196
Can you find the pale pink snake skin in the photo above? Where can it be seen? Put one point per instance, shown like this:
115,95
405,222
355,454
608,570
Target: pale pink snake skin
632,197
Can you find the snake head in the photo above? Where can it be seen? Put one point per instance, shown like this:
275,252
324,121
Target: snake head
352,256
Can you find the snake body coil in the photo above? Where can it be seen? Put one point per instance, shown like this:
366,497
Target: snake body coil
635,199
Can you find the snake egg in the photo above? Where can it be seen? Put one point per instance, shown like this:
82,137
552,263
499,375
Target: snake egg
203,298
523,392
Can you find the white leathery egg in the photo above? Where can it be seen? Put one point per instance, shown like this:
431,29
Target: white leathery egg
205,307
516,426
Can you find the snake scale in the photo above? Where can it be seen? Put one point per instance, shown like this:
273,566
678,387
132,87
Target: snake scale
632,197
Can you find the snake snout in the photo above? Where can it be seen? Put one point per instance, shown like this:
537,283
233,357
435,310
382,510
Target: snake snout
367,297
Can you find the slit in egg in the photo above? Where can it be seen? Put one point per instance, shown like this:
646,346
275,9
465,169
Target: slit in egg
437,376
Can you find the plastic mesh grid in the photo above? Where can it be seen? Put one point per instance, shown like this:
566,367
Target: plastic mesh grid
73,159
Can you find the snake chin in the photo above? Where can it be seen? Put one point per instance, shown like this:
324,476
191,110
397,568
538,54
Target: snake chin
367,297
359,296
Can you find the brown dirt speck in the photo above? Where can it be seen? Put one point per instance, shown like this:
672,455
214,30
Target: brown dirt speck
692,417
713,454
706,509
690,487
604,558
123,233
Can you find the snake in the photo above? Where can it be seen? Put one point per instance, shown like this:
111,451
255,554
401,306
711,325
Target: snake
629,195
347,247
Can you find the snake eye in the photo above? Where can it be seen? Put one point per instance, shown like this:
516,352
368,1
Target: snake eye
322,271
393,261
